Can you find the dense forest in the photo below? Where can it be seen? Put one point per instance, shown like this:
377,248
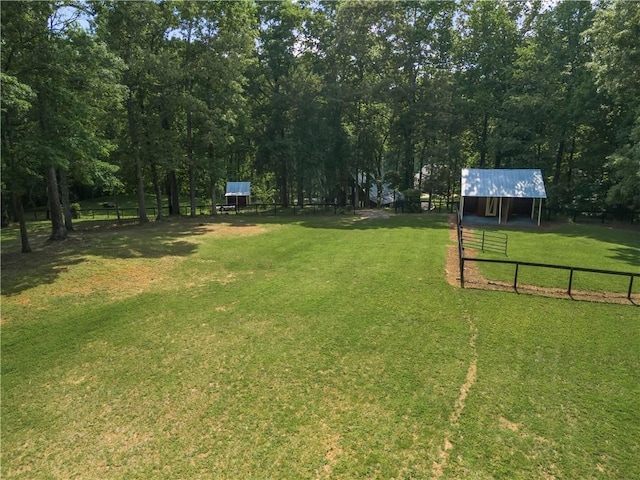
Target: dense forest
301,98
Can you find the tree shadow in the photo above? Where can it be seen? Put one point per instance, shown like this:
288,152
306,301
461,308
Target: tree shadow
372,220
172,237
110,240
628,255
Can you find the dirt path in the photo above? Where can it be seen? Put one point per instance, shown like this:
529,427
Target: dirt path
472,373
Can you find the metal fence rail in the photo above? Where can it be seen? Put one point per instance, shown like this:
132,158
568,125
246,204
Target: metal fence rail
485,241
202,209
517,264
571,270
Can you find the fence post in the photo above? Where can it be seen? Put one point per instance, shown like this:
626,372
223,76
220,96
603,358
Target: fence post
630,287
570,282
515,278
460,251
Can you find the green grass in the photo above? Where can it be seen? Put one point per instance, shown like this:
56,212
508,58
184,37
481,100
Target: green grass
587,246
316,347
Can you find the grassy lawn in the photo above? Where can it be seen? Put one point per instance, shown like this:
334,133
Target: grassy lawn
577,245
315,347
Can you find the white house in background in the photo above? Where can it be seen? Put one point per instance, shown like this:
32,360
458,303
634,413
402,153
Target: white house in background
387,196
502,193
238,193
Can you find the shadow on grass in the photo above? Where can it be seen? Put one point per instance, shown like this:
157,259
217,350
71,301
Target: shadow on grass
361,220
93,238
628,255
172,237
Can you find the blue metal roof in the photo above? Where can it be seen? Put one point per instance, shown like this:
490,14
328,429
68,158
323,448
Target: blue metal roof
238,189
503,182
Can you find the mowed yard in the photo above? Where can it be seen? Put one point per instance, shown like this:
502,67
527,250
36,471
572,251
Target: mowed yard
304,347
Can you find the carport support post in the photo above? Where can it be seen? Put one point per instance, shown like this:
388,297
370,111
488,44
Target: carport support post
500,212
533,207
461,207
539,211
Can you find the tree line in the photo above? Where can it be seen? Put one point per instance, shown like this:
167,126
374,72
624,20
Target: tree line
304,97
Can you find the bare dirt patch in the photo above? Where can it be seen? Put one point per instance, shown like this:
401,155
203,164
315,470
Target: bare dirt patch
229,230
331,444
472,373
119,279
508,425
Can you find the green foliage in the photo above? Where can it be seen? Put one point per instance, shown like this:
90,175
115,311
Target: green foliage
76,210
411,201
303,97
616,54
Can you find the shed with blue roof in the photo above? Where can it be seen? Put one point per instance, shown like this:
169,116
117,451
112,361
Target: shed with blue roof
502,193
238,193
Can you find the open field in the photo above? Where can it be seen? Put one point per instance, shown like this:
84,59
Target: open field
315,347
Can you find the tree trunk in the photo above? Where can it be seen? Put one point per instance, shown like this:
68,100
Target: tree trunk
142,209
284,191
212,180
212,185
483,141
66,202
174,198
192,167
137,159
356,191
300,186
408,160
192,190
570,165
115,202
58,230
19,211
558,169
190,160
157,187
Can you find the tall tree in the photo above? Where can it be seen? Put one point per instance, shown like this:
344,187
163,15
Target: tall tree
136,32
46,50
486,51
278,43
615,34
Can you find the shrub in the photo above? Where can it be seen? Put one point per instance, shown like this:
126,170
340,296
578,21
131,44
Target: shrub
412,201
76,210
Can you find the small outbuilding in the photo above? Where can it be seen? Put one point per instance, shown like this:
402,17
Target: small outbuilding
238,193
502,193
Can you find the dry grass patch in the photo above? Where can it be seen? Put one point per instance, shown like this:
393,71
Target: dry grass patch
229,230
101,261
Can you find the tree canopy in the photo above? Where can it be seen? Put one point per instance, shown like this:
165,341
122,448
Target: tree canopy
307,98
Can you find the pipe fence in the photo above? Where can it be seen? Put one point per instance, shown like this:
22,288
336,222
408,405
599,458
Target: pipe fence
517,264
